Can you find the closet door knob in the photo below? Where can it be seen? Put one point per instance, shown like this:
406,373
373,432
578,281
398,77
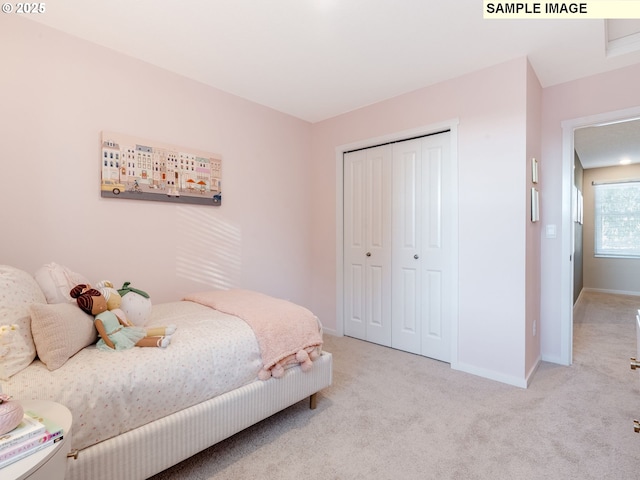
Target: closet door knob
416,256
368,254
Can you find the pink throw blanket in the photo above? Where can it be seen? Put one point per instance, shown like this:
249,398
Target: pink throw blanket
287,333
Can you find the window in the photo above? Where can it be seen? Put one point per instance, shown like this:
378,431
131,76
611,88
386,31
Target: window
617,219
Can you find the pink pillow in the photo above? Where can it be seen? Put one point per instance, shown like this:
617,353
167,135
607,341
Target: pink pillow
60,331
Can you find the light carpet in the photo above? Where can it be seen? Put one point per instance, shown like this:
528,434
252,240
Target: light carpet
391,415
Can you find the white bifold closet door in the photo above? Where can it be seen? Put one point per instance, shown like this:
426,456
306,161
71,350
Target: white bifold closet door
398,245
367,244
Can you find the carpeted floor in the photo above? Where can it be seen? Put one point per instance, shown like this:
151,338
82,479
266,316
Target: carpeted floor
390,415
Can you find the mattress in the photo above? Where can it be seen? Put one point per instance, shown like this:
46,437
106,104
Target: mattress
110,393
145,451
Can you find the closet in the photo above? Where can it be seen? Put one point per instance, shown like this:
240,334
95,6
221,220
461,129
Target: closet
398,245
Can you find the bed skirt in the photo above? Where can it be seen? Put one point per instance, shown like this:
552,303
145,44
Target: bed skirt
152,448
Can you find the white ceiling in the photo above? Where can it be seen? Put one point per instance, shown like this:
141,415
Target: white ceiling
315,59
608,145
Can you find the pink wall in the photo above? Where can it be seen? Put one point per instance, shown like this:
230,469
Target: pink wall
276,230
595,95
532,324
491,108
57,93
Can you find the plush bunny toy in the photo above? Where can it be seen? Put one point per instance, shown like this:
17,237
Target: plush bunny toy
115,332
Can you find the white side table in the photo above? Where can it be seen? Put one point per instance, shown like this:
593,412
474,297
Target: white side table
49,463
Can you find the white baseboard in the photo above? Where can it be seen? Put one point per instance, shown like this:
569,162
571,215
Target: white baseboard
490,374
579,296
556,359
533,370
481,372
605,290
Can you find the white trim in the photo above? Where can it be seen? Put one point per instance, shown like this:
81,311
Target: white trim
579,297
500,377
532,371
614,292
452,126
555,359
339,240
623,45
566,270
566,259
331,331
493,375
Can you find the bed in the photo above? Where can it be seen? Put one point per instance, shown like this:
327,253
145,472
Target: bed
140,411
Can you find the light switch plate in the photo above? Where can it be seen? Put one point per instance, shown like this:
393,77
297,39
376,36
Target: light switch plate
551,231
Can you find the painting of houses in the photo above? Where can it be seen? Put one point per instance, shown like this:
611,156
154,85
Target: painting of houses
135,168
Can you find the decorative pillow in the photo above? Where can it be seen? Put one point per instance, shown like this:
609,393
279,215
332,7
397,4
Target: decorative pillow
60,331
18,291
56,281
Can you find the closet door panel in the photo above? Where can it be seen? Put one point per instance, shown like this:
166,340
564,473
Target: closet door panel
367,248
354,302
406,278
436,251
354,244
432,307
378,250
408,314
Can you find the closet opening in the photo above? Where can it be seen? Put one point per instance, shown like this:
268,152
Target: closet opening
400,244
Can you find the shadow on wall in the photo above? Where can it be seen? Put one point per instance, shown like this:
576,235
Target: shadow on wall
209,250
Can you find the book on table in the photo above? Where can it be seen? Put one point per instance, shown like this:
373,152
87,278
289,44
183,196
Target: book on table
29,427
50,433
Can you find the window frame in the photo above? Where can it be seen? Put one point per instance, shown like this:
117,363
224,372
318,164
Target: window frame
600,189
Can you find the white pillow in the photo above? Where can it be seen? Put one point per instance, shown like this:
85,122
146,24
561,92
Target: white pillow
56,281
60,331
18,291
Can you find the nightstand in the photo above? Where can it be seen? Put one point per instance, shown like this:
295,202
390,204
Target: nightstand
49,463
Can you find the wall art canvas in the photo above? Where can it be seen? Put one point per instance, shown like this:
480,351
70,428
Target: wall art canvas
134,168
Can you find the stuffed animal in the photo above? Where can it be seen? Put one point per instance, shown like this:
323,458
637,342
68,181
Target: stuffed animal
114,300
106,288
115,331
136,304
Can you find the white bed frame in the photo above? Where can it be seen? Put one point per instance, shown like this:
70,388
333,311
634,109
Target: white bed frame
152,448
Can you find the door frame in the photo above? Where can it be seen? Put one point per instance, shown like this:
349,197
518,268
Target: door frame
450,125
566,267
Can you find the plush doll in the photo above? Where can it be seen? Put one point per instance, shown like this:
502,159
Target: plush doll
114,301
115,332
136,304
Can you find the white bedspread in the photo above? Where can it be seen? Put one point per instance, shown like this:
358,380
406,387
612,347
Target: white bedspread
110,393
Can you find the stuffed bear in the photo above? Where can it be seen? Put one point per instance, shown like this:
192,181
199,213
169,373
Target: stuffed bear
115,332
136,304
